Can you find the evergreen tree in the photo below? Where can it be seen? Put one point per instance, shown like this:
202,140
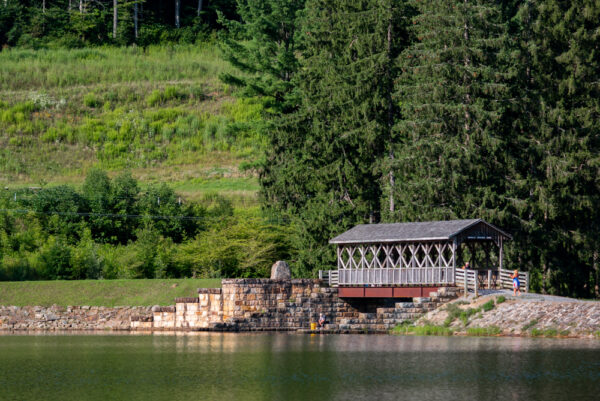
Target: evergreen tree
451,154
557,179
263,46
322,166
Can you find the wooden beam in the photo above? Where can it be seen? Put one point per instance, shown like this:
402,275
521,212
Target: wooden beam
501,257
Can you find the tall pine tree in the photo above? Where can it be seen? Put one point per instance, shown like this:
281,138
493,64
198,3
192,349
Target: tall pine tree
264,47
451,154
560,161
323,166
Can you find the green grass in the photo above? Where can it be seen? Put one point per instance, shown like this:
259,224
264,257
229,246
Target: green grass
483,331
454,312
101,292
488,306
551,332
500,299
63,68
240,190
160,112
427,330
529,325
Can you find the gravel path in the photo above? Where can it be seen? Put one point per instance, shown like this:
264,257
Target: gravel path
529,297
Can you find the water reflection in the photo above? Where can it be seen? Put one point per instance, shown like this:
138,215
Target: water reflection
210,366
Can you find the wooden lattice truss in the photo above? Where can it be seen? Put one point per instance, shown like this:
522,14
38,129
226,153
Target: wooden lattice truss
399,255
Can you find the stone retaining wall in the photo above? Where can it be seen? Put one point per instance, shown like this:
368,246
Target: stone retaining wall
240,305
265,304
70,318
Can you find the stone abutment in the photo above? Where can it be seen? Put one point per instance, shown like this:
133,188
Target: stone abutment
265,304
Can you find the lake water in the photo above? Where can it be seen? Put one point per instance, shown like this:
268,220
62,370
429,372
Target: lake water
233,366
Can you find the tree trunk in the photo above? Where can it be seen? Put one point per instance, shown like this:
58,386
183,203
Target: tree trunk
70,4
115,18
467,96
44,6
80,6
135,19
596,274
177,6
390,116
199,7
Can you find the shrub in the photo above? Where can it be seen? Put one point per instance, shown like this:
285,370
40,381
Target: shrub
455,312
55,260
466,314
529,325
16,269
155,98
500,299
536,332
488,306
544,333
85,261
158,97
91,100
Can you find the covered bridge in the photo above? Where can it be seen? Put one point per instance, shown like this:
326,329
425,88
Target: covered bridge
413,259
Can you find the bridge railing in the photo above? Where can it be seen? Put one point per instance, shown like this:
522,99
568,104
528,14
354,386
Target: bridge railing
505,280
331,277
497,279
471,277
476,279
390,276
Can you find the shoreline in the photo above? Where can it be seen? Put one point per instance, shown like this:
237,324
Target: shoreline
254,306
118,332
503,315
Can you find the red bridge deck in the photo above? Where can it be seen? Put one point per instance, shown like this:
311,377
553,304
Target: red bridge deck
385,292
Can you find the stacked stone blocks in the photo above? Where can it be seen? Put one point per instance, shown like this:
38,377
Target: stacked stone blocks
266,304
56,318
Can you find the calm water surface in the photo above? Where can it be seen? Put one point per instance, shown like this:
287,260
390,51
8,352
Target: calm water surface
230,366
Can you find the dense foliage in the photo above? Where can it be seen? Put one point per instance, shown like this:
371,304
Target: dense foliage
322,168
430,109
113,229
75,23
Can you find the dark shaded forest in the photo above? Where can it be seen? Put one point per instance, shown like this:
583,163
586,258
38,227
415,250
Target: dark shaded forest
78,23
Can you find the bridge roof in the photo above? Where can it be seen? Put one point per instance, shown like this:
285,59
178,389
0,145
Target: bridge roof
414,232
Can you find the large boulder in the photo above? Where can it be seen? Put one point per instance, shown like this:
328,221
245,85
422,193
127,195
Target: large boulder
281,271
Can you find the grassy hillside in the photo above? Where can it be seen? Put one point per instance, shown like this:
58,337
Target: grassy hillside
101,292
158,112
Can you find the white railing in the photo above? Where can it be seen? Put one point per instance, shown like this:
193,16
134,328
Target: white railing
460,277
331,277
424,275
477,279
401,276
